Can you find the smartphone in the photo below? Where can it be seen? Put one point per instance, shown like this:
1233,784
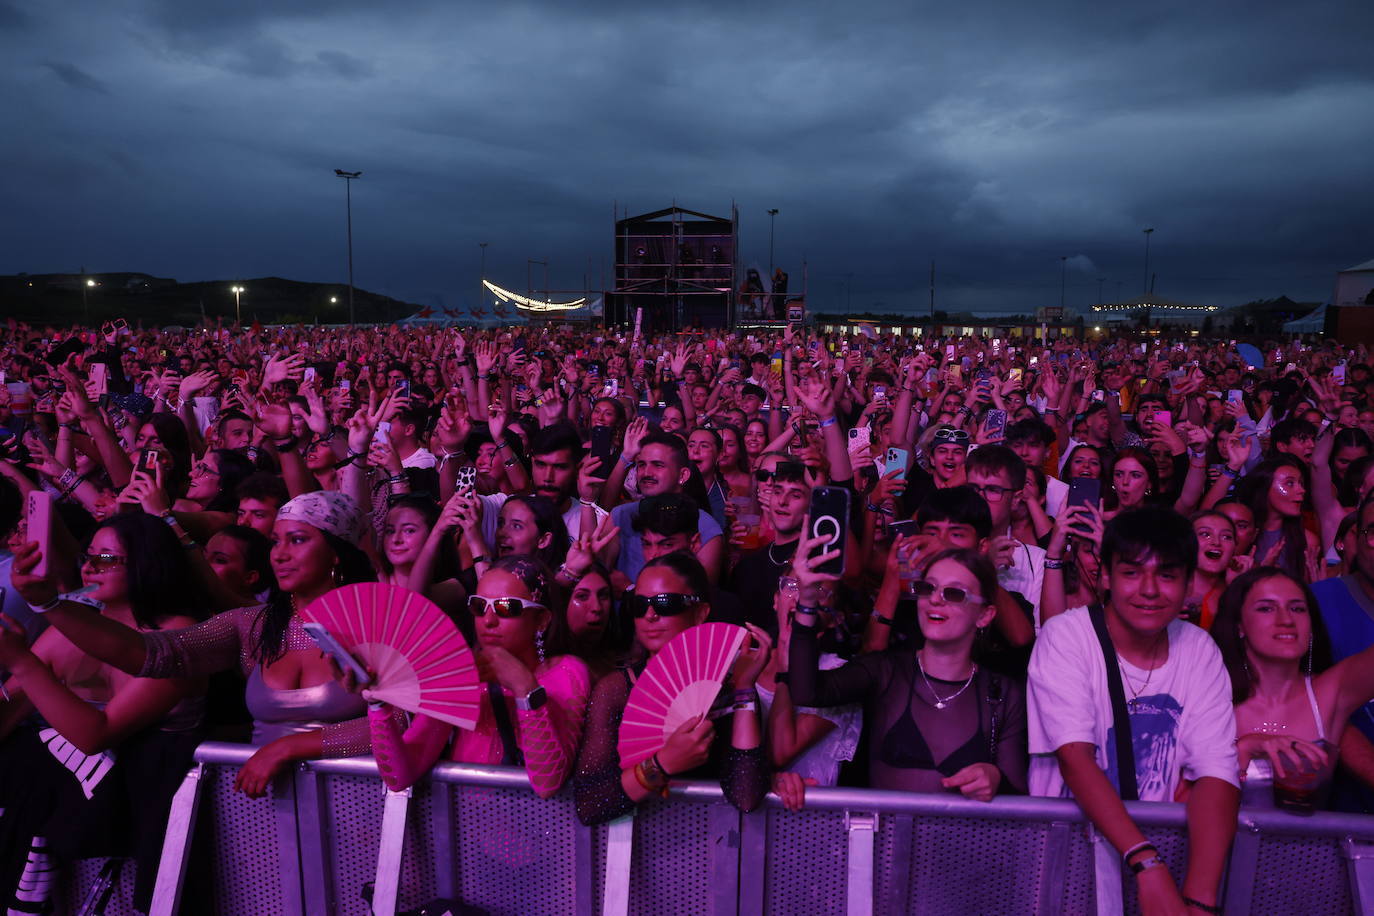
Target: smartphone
310,374
995,422
879,392
403,388
613,388
949,351
99,375
903,529
331,647
1235,396
1084,491
38,517
858,439
60,354
1098,395
603,448
383,431
345,384
1164,418
1338,373
896,460
148,461
830,522
466,480
956,375
1015,375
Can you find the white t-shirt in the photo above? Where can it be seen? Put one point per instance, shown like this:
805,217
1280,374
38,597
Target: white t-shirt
1025,576
572,519
1056,491
1182,727
822,760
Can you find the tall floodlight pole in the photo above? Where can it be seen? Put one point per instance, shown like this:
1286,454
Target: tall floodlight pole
348,197
238,312
772,215
85,305
1145,287
480,287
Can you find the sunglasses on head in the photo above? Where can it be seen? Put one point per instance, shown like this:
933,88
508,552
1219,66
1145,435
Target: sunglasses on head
504,607
952,594
665,605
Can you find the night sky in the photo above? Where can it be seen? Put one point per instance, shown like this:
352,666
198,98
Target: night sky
197,139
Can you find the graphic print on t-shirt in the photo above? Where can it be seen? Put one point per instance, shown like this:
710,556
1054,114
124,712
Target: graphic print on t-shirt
1154,734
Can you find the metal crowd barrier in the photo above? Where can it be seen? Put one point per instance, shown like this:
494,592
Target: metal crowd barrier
480,836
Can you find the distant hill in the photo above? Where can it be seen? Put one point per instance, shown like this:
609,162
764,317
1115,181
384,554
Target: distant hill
57,299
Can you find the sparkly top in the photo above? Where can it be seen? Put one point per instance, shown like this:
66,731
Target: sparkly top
231,638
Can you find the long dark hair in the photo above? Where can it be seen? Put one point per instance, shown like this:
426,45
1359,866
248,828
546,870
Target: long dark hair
548,520
234,468
1226,629
1254,490
269,630
162,581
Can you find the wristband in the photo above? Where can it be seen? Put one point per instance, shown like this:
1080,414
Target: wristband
1138,847
46,606
885,621
1226,469
1053,564
830,421
628,462
750,706
1205,907
745,695
781,677
476,560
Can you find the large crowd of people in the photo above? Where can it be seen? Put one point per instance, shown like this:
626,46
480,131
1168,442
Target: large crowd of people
1106,569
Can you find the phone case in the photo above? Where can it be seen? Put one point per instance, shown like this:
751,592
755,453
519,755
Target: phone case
330,646
830,520
39,523
896,460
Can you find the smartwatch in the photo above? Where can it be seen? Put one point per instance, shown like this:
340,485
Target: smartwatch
533,700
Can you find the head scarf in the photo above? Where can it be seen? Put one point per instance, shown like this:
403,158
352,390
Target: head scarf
329,511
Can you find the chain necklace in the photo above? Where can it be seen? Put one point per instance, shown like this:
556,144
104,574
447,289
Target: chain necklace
1149,673
942,702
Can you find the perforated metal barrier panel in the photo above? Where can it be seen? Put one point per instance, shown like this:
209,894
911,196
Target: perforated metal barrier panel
480,836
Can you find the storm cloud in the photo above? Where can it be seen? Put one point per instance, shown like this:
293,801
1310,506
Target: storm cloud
198,140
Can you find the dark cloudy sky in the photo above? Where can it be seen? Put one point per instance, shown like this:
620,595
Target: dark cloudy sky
197,139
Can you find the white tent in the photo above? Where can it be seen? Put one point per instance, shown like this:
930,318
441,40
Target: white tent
1314,322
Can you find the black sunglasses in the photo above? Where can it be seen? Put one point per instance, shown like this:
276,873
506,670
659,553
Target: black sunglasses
665,605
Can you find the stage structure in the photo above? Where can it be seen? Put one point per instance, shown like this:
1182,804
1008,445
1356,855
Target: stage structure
677,265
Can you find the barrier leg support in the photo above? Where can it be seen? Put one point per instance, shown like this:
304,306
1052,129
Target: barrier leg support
1360,852
1050,896
620,838
389,848
317,885
1107,877
862,829
176,845
1240,870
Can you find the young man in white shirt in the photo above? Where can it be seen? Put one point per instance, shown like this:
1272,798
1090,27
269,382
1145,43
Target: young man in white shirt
998,475
1178,703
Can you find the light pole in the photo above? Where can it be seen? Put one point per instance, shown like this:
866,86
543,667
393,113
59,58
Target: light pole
348,197
238,313
483,272
772,215
85,305
1145,287
529,282
1063,280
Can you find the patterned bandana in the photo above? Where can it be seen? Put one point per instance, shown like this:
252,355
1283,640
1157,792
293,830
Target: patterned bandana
327,510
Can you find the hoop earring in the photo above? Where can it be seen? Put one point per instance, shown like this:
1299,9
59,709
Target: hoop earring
539,645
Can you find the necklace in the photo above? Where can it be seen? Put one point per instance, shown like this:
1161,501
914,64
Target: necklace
942,702
774,560
1149,673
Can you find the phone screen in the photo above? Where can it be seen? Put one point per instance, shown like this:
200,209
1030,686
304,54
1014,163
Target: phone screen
830,522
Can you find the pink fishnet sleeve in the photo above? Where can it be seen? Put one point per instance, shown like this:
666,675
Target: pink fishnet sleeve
404,758
550,734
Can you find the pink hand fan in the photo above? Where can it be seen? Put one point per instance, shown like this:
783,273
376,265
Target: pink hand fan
422,662
679,683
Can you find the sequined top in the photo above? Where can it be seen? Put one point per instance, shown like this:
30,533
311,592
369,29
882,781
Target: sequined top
232,638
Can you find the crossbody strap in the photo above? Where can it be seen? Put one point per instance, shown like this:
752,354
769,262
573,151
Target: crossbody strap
1121,719
512,755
